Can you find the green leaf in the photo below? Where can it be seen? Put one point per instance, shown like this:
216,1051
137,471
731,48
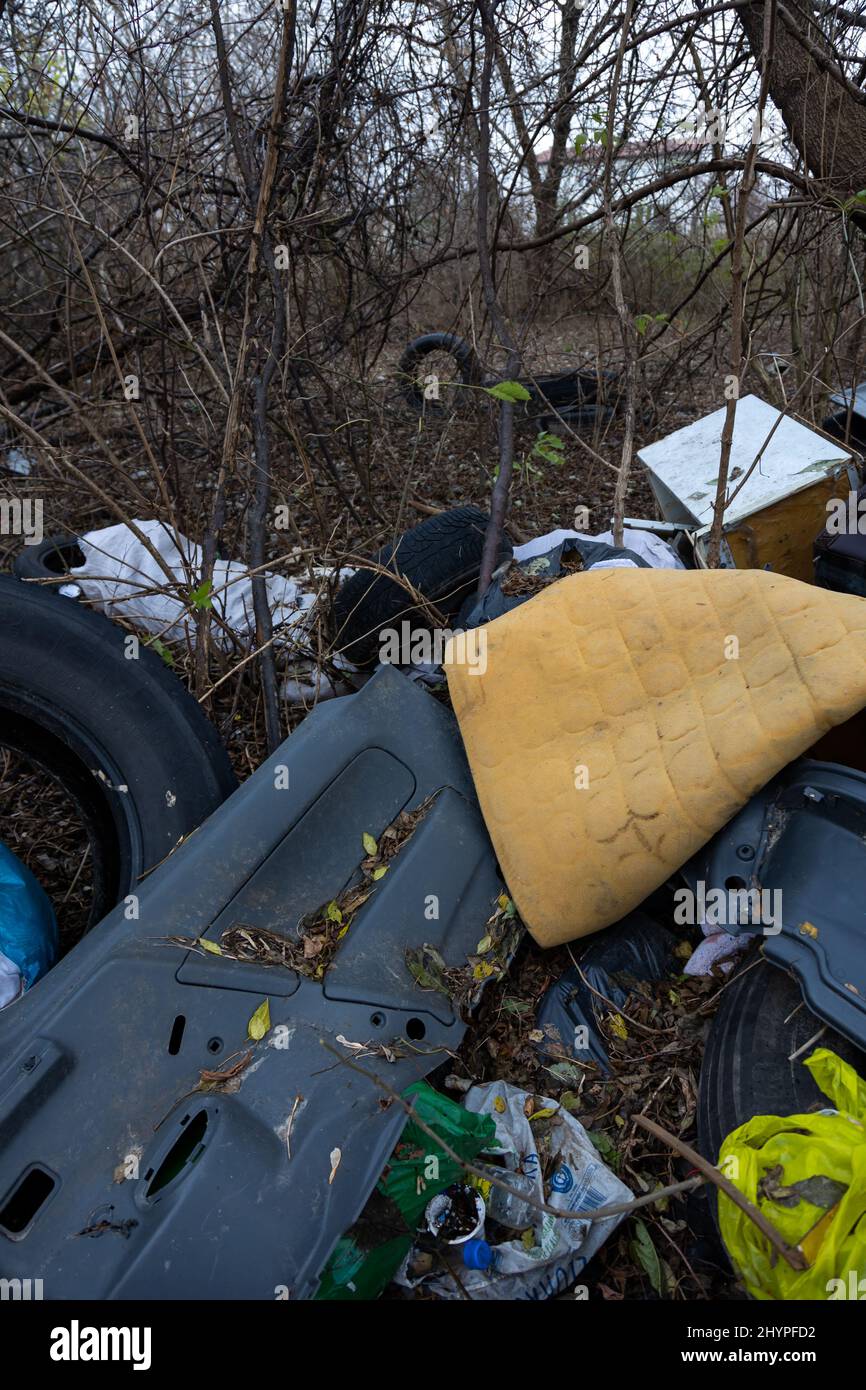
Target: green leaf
380,872
549,447
161,650
580,141
606,1148
211,946
333,913
260,1023
646,1256
516,1006
484,945
719,192
643,321
508,391
369,843
566,1071
201,597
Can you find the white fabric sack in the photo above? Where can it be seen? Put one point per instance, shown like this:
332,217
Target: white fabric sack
121,575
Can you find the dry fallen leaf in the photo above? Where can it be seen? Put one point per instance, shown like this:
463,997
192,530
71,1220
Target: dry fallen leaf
336,1156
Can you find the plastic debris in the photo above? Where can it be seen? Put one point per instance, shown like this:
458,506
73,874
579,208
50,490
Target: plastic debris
637,948
807,1175
125,580
28,929
646,546
368,1255
533,1135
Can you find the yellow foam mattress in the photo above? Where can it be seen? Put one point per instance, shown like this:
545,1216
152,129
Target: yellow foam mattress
617,720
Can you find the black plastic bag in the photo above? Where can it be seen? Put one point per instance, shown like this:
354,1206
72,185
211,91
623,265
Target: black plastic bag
637,948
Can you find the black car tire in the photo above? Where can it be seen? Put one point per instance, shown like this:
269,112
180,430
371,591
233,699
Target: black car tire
52,558
466,361
441,558
747,1071
119,732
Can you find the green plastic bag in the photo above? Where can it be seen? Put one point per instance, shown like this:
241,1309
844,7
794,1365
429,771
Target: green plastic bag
807,1174
367,1257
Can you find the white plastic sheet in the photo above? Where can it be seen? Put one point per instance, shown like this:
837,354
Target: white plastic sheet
121,575
653,549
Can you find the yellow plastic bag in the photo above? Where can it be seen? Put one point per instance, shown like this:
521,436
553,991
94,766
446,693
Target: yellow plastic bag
807,1174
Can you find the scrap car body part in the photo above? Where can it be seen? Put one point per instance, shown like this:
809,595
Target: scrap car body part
803,837
124,1173
782,474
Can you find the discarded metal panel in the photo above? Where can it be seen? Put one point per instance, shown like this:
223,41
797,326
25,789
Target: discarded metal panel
777,507
126,1171
804,838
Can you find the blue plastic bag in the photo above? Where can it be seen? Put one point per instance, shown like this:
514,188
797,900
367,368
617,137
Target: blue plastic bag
28,927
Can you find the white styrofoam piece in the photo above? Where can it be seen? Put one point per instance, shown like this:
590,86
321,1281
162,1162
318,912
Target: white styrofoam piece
684,466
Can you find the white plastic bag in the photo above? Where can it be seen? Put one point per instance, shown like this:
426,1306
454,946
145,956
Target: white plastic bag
125,579
657,553
581,1182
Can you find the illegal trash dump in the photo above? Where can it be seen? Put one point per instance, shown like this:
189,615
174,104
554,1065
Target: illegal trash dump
806,1174
639,543
124,579
367,1256
28,930
534,565
547,1156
